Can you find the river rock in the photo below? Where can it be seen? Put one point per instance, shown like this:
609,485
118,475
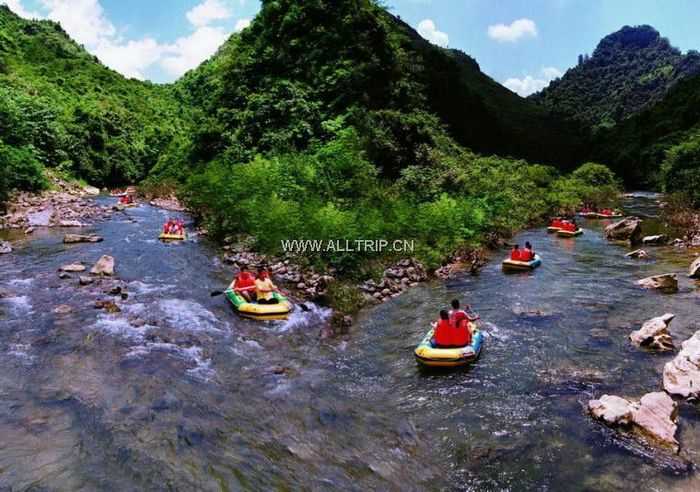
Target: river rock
40,219
682,374
694,270
91,190
79,238
637,253
63,309
85,280
108,306
657,239
666,282
653,416
654,334
628,229
70,223
5,248
73,267
29,230
104,266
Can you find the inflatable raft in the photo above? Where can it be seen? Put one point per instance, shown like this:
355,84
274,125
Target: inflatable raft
430,356
254,310
173,237
520,266
552,229
117,195
563,233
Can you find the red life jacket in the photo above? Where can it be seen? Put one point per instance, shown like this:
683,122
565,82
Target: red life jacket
443,333
461,335
516,255
527,255
245,281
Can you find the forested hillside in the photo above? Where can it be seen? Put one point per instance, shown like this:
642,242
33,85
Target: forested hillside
60,107
638,146
630,70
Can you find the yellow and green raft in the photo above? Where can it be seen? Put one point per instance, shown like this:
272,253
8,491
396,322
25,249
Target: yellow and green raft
280,310
430,356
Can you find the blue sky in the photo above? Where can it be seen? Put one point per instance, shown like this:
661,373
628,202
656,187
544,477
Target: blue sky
521,43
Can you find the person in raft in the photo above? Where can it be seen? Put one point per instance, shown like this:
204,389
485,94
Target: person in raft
515,253
457,314
527,254
264,288
448,335
244,284
126,200
569,225
169,226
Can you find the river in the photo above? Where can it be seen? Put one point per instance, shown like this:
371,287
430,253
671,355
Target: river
176,392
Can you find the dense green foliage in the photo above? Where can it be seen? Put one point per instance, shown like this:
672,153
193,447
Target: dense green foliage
681,169
60,107
630,70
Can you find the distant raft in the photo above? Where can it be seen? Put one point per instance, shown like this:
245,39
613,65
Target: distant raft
564,233
521,266
173,237
430,356
280,310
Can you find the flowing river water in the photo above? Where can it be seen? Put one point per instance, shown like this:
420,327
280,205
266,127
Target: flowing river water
176,392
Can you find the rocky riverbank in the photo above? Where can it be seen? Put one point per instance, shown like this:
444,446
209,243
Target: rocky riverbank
65,205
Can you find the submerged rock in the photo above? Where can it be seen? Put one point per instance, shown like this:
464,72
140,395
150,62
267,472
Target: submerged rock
694,270
654,334
104,266
73,267
63,309
79,238
71,223
653,417
637,253
666,282
682,374
5,248
628,229
85,280
656,239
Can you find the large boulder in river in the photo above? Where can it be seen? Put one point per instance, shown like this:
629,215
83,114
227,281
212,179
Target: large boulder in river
653,417
682,374
5,248
79,238
104,266
629,229
654,334
91,190
655,240
694,270
637,253
668,282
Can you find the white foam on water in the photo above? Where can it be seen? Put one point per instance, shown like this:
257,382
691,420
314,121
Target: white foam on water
21,282
19,306
300,319
143,288
21,351
117,325
202,369
188,315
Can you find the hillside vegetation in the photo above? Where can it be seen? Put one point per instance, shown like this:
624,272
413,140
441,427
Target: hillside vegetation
60,107
630,70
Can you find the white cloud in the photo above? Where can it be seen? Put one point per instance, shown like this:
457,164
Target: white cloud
529,84
208,11
189,51
241,24
428,30
84,20
521,28
19,9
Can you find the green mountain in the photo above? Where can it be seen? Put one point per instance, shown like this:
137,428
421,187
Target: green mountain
282,82
60,107
637,147
630,70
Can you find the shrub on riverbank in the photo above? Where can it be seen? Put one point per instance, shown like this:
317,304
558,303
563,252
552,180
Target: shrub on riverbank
333,192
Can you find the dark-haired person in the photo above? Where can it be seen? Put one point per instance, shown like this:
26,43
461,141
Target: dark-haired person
244,284
442,331
515,253
264,288
528,254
